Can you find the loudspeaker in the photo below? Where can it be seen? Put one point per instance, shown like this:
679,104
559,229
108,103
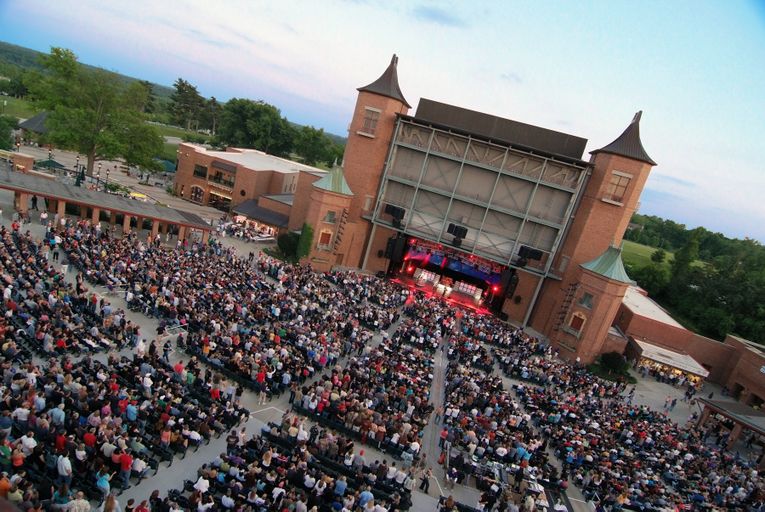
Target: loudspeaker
460,231
394,211
399,248
530,253
450,228
508,281
457,242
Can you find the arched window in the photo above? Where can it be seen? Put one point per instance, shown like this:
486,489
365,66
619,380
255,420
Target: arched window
577,321
197,194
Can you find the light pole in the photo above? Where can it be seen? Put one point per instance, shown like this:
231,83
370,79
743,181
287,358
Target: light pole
106,183
50,158
98,178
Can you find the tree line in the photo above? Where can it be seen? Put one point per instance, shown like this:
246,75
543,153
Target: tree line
715,285
104,115
249,124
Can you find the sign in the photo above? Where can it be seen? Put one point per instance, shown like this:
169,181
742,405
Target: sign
762,369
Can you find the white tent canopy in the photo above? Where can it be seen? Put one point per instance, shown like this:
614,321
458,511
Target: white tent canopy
671,358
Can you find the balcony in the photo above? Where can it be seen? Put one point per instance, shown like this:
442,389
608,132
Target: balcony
222,182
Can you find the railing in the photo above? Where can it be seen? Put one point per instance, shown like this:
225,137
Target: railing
221,181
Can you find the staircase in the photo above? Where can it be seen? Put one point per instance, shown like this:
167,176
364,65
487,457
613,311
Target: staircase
565,305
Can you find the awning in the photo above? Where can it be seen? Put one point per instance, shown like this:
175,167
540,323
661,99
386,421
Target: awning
251,210
214,193
671,358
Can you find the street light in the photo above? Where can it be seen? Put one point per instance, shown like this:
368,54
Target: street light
50,157
98,178
106,183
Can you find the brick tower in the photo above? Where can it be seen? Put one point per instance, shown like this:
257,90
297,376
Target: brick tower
328,215
369,137
619,173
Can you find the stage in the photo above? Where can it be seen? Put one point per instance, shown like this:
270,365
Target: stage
456,299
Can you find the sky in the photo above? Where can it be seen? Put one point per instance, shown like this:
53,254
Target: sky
696,69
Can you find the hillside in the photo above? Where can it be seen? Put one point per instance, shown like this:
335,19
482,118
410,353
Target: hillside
15,59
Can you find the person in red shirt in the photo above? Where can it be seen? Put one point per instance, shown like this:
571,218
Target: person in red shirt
126,467
60,444
89,438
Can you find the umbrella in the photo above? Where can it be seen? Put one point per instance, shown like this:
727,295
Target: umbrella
49,163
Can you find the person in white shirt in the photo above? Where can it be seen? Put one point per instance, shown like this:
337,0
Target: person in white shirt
227,501
28,444
202,485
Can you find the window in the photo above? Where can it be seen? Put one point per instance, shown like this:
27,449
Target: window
325,237
371,116
197,194
368,203
330,217
617,187
586,300
200,171
576,323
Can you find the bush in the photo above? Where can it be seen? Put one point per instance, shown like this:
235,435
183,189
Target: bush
304,243
288,244
615,362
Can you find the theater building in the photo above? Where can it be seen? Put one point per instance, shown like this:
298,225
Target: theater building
247,180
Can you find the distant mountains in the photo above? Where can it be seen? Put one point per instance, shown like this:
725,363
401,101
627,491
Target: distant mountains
15,60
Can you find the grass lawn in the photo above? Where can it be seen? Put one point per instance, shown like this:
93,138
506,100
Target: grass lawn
15,107
638,255
172,131
169,151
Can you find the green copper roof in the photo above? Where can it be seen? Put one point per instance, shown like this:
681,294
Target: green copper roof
609,264
334,181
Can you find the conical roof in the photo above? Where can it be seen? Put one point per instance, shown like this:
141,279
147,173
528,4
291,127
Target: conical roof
628,143
609,265
334,181
387,84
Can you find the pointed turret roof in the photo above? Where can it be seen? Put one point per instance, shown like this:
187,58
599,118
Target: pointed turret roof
334,181
609,264
628,143
387,84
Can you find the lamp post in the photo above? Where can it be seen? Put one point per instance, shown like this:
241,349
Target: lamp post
106,183
98,178
50,157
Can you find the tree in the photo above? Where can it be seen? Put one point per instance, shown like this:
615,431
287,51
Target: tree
314,146
255,124
186,104
149,105
288,244
614,362
658,256
687,254
653,278
7,125
212,113
92,112
304,244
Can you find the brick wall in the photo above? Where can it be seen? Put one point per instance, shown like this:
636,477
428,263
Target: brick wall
275,206
302,199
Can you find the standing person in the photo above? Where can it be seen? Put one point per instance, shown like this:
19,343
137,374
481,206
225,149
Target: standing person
34,203
425,482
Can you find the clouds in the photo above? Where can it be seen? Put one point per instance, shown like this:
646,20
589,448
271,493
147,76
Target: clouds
511,76
524,61
438,16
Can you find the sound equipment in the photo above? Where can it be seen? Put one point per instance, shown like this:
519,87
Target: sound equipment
394,211
398,248
457,231
530,253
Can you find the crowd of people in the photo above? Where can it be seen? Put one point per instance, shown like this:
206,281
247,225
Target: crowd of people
276,328
42,312
265,326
